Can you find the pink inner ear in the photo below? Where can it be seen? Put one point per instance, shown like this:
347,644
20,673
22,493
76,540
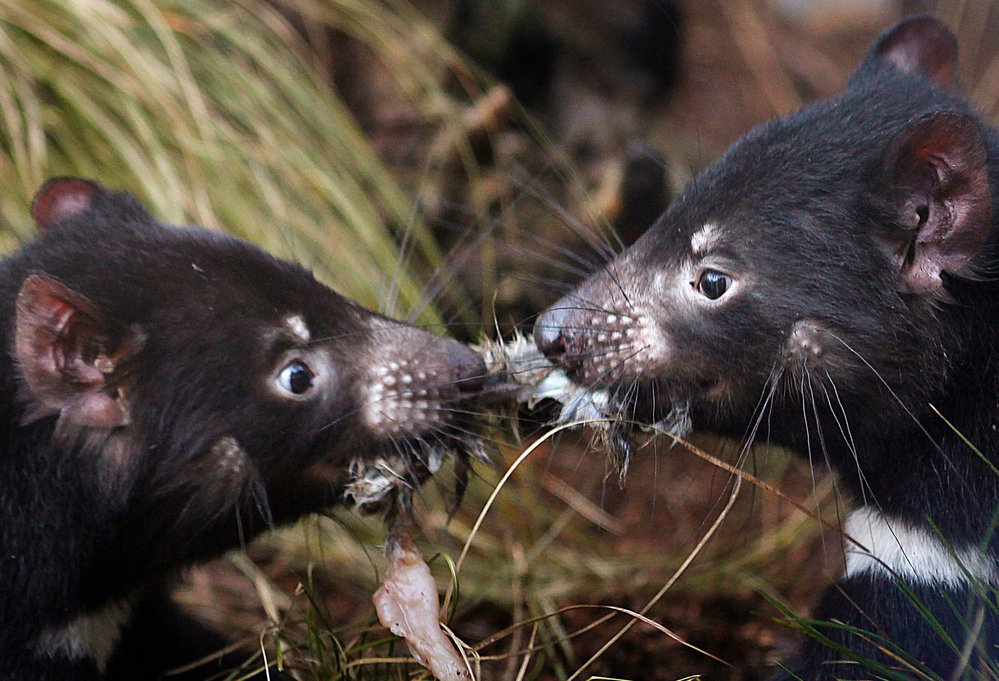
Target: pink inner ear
940,162
62,198
55,328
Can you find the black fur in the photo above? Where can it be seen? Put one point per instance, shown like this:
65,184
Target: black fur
881,614
187,330
863,226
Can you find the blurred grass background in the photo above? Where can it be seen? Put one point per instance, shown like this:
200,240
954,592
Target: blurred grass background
217,113
446,161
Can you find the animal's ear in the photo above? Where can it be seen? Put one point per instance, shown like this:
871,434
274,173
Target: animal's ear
62,198
68,353
939,201
921,45
65,198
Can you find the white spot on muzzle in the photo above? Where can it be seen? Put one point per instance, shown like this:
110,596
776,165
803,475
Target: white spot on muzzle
807,341
917,555
91,636
402,399
624,344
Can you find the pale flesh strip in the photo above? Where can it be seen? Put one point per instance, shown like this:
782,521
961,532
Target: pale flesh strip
407,603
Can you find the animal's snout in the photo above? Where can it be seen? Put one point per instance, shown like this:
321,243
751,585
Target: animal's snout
600,346
468,367
557,338
419,379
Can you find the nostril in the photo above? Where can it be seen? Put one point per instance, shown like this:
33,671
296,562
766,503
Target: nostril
550,333
471,383
556,349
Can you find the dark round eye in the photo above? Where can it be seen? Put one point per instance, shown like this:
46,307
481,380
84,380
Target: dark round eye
296,377
713,284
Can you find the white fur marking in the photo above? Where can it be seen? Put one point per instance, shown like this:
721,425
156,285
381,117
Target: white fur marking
400,403
91,636
230,455
915,554
298,327
703,238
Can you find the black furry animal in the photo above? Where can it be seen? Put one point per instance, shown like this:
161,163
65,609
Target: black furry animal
166,394
825,285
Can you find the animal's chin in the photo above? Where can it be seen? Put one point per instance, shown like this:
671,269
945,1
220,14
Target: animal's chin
384,481
656,401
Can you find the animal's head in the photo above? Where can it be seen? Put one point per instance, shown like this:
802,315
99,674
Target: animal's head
814,266
203,376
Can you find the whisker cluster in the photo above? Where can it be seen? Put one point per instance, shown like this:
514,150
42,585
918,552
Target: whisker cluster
528,378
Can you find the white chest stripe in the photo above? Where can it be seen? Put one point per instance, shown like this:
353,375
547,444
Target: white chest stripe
915,554
91,636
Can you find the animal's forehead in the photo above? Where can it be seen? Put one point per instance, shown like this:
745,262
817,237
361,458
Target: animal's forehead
296,325
705,238
744,236
223,282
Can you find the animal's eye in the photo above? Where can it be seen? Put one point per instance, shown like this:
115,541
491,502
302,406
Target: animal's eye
296,377
713,284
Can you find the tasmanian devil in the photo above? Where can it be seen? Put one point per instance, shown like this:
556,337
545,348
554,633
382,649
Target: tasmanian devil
167,393
830,284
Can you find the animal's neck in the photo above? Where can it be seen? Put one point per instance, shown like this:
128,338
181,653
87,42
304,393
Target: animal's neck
937,472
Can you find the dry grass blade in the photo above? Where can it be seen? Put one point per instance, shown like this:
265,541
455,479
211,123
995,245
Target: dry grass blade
736,487
495,493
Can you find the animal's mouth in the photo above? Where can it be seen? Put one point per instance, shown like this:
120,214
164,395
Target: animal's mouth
418,416
386,480
616,412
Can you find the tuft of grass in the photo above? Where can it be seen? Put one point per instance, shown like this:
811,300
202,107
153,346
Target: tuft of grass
215,113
